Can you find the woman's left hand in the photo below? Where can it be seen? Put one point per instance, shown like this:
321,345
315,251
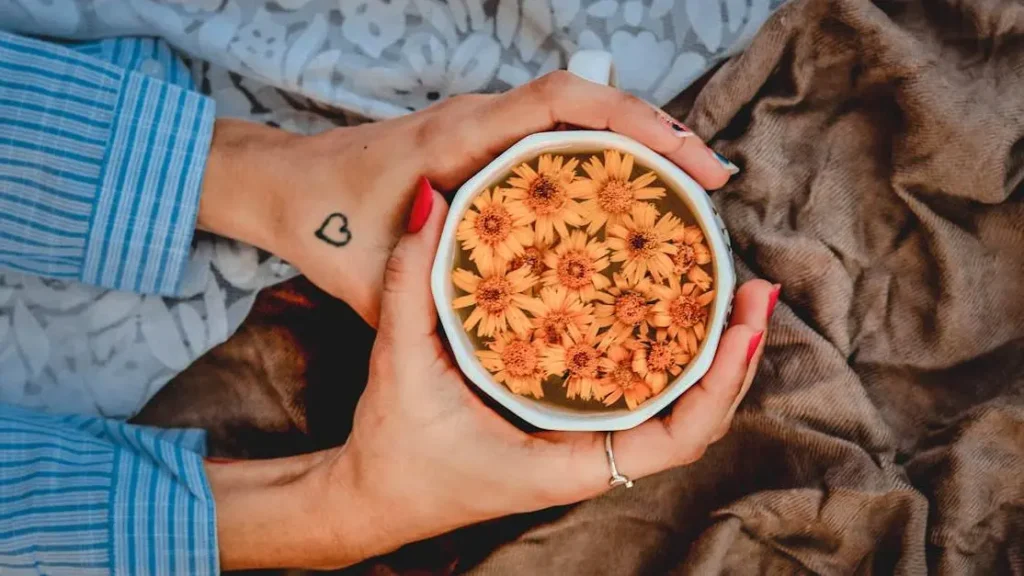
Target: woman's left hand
335,204
426,455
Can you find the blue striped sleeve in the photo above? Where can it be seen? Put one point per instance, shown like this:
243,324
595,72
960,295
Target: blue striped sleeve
84,496
100,166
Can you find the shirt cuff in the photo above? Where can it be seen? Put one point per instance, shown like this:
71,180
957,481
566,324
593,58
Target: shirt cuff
144,215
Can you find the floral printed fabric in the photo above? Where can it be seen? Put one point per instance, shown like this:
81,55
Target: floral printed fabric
68,347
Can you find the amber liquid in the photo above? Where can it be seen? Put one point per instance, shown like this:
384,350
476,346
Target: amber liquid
554,389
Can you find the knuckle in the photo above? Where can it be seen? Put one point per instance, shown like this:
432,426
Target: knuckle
548,86
426,132
395,270
691,454
630,101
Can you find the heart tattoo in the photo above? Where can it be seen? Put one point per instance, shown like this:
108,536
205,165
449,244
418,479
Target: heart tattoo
335,230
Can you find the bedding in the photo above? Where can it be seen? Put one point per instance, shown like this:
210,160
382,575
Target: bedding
882,148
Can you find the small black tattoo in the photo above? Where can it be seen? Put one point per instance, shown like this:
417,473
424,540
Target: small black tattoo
335,230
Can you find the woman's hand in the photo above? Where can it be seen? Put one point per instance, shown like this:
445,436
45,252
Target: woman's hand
334,204
426,456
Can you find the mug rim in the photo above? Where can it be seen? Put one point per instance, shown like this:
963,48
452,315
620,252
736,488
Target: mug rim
531,410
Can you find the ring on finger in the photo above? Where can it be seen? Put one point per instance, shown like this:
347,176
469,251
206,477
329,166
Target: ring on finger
617,479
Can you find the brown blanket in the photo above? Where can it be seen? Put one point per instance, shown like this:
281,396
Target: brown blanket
882,147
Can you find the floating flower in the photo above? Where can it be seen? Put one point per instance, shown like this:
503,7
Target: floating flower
515,362
620,380
498,296
555,311
625,307
609,194
692,253
656,359
683,311
546,196
490,231
576,264
578,357
532,256
642,243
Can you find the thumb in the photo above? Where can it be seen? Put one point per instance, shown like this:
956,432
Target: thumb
407,307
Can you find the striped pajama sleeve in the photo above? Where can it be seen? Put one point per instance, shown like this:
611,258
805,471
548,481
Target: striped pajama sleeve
84,496
100,172
100,166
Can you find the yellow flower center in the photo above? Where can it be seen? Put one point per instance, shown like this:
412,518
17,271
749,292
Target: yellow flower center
660,357
615,197
494,294
582,361
575,270
641,244
685,311
631,308
684,259
494,224
520,358
545,195
531,257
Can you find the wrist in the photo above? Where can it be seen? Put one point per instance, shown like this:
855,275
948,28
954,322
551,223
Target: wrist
276,514
241,194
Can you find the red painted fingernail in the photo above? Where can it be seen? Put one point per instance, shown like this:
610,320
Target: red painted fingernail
421,206
754,343
773,299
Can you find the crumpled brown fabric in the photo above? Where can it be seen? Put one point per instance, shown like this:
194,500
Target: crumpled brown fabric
882,155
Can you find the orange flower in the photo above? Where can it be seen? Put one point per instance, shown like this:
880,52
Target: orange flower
555,311
656,359
692,254
489,231
625,307
515,361
498,296
532,256
579,356
609,193
683,310
620,380
546,196
642,244
576,265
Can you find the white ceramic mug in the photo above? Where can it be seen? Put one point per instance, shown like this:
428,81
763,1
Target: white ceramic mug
595,66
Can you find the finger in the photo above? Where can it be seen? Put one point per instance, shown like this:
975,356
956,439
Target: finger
407,306
683,436
563,97
754,306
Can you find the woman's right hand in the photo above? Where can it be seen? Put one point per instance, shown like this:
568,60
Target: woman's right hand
426,455
334,204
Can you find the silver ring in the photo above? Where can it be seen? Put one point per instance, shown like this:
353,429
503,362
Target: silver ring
616,479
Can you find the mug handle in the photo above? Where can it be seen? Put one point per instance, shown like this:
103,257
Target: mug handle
594,65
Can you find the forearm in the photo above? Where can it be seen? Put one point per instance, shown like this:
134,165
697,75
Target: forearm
288,513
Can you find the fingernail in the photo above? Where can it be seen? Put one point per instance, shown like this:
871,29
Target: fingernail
729,166
754,343
678,129
421,206
773,299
